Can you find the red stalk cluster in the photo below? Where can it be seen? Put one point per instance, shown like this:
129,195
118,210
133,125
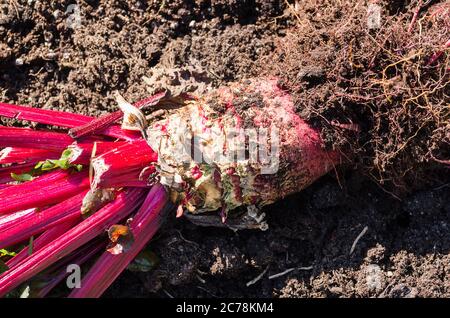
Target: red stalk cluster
125,203
79,257
43,239
48,207
44,190
109,266
22,228
61,119
123,166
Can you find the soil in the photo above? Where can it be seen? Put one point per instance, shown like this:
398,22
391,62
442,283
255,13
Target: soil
51,59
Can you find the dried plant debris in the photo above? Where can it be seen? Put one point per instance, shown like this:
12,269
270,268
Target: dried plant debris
374,78
177,81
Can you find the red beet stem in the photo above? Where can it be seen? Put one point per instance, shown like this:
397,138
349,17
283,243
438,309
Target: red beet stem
118,183
7,220
143,226
129,178
79,258
5,172
125,203
42,191
103,122
43,239
121,162
22,228
117,132
26,155
43,116
82,152
29,138
61,119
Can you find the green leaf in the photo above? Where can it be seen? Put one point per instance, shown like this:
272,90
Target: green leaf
63,163
4,252
31,245
47,165
66,154
21,177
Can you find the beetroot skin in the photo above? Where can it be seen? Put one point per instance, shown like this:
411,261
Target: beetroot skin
209,152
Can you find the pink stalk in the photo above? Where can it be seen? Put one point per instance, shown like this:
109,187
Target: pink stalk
68,211
8,220
42,191
129,178
43,239
5,172
25,155
117,132
125,203
58,118
124,182
124,160
82,152
29,138
43,116
79,258
103,122
108,267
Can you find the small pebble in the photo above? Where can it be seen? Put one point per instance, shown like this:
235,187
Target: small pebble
56,14
51,55
49,67
48,36
336,290
66,56
19,62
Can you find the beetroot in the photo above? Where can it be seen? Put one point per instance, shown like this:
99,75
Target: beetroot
251,148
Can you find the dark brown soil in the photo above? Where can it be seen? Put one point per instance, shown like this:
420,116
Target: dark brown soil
405,251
